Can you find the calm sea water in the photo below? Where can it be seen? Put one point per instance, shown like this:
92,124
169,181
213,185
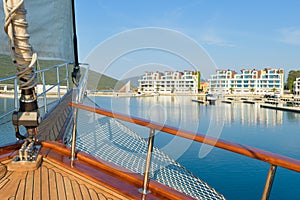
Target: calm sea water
6,128
235,176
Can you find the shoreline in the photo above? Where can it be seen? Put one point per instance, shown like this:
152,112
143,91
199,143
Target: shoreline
11,95
136,95
236,96
230,98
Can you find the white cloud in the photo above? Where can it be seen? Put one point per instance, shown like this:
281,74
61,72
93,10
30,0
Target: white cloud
290,35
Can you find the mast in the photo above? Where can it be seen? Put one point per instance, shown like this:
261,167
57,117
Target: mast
25,60
76,69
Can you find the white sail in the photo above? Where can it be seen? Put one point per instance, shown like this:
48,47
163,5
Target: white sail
125,88
50,29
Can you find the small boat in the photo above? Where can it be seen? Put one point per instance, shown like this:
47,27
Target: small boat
155,94
211,99
139,94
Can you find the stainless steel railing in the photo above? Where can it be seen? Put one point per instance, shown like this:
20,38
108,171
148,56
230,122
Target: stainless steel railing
12,81
57,85
15,85
275,160
78,95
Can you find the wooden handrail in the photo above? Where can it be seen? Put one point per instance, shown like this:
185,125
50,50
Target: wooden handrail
272,158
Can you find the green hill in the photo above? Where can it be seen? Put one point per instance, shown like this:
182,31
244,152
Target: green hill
6,66
95,81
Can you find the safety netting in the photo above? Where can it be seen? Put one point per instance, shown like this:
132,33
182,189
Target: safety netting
111,140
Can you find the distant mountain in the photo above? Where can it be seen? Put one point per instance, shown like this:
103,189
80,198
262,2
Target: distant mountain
7,68
95,81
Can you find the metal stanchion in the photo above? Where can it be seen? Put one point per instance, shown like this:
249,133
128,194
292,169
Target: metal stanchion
74,131
148,163
269,182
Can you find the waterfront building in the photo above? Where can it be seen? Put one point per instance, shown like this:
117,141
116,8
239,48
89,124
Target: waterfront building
266,81
7,88
296,86
3,88
204,87
187,82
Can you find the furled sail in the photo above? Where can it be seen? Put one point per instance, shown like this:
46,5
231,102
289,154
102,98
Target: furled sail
50,29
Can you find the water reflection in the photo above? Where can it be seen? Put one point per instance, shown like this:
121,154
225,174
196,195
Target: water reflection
246,124
251,115
177,111
172,111
292,116
181,112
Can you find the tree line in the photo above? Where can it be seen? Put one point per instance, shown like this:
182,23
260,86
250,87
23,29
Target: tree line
293,74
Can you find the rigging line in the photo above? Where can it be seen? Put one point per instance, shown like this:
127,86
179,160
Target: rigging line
76,70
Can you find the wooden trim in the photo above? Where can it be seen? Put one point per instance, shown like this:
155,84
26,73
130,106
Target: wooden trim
272,158
7,152
91,167
14,145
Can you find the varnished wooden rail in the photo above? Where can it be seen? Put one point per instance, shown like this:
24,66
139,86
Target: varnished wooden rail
273,159
251,152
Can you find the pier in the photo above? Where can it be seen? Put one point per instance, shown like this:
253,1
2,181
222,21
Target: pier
283,104
227,101
280,107
249,102
198,101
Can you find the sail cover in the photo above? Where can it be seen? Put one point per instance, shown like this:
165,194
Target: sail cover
49,27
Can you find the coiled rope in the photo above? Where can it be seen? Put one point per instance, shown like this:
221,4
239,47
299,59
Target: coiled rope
21,51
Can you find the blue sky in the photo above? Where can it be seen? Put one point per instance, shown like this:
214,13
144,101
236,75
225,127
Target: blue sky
236,34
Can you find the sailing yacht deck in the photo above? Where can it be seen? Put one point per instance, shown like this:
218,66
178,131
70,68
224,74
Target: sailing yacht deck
94,175
51,182
90,177
53,125
87,179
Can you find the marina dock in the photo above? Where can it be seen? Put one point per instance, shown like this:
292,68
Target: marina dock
227,101
198,101
279,107
249,102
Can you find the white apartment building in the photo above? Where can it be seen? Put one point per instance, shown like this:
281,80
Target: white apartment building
296,86
266,81
170,82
